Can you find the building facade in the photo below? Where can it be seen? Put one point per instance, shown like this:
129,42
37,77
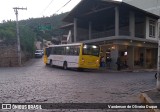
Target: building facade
121,30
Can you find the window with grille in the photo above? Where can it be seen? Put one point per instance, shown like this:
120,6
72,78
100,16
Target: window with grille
152,27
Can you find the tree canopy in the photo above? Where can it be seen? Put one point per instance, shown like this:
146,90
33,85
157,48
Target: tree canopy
29,30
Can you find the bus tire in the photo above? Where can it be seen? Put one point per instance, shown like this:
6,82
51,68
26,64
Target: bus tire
65,65
80,69
50,62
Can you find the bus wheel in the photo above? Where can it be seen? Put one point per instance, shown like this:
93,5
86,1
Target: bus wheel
65,65
50,62
80,69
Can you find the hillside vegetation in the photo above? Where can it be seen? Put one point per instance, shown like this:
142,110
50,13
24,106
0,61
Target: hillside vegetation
30,31
54,21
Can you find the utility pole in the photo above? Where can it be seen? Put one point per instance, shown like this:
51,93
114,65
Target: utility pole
158,66
158,56
18,39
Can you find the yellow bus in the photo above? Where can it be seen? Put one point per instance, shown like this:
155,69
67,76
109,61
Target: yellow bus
76,55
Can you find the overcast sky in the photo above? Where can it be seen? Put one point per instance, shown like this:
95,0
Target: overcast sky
35,8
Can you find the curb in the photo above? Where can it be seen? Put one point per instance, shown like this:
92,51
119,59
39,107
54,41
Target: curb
134,71
146,99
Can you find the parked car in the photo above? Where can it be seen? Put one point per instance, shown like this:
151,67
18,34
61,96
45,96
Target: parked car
38,53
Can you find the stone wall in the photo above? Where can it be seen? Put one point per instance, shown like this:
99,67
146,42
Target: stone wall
8,55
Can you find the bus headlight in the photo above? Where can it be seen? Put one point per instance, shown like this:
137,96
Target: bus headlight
97,61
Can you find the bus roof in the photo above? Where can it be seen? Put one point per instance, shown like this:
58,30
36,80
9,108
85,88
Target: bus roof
65,45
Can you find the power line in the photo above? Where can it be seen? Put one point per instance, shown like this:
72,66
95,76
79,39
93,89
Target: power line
63,6
42,11
57,10
47,7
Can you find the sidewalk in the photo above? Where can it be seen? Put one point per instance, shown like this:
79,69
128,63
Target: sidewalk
151,96
104,69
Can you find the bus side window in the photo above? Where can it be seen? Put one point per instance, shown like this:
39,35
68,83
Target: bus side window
63,51
71,50
77,50
53,50
59,50
67,50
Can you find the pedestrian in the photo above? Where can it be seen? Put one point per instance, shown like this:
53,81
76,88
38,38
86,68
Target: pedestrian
108,61
118,63
103,61
141,61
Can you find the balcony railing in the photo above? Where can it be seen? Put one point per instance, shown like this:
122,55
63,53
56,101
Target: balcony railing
106,34
139,35
124,33
103,34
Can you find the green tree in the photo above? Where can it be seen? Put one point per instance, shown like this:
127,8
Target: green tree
27,38
7,31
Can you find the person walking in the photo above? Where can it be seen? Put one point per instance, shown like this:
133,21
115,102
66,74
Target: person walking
108,62
118,63
103,61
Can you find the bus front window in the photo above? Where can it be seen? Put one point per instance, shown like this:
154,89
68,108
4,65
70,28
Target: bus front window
48,51
91,50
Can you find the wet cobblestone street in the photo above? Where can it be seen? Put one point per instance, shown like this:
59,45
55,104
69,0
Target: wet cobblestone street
37,83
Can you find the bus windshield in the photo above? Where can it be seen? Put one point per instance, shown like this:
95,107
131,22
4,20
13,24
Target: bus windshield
91,50
48,52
